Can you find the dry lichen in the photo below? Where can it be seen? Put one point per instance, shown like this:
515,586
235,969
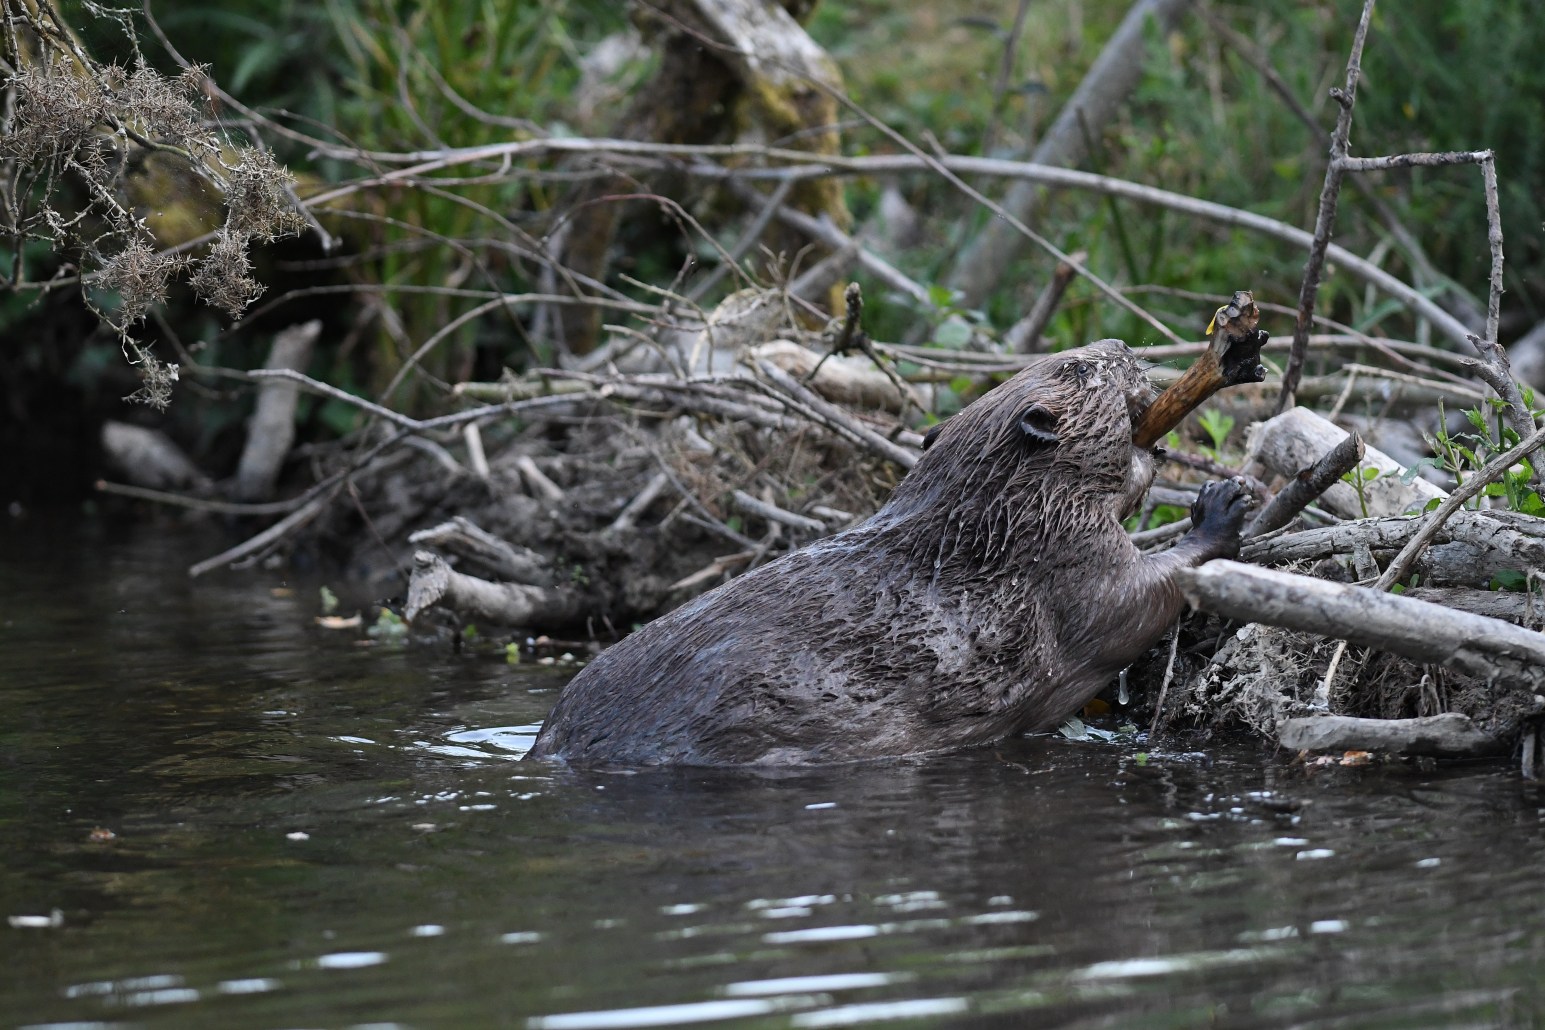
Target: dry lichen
72,168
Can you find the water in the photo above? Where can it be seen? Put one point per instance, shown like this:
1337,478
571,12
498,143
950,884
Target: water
311,832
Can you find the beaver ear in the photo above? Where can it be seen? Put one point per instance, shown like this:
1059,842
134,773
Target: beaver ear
932,435
1039,424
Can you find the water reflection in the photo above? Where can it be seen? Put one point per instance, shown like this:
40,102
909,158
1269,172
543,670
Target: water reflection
309,832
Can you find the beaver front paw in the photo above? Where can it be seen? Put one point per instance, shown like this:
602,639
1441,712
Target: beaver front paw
1218,515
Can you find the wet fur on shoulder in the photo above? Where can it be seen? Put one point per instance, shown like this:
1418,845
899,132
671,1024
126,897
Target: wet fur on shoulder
994,593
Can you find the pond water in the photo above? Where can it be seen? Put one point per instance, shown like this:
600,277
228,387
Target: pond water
306,831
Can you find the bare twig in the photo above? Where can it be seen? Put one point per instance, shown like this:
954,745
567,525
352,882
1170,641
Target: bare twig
772,513
807,403
205,504
1309,484
1024,336
1340,141
1475,484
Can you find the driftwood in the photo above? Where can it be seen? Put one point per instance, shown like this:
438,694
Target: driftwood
1450,735
1425,632
148,458
1298,438
435,584
271,429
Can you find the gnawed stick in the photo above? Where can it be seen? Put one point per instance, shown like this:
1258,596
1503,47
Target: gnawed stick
1232,358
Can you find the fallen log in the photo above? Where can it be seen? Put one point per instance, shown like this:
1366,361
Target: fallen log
1450,735
435,584
1474,546
1298,437
1472,644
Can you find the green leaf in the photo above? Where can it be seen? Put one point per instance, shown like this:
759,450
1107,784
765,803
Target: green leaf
953,334
1509,579
940,296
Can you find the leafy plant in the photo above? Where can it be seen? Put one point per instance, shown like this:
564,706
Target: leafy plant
1463,454
1359,478
1217,425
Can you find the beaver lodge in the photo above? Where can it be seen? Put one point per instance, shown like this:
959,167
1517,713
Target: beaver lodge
558,451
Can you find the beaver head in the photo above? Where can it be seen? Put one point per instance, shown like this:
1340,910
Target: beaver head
1055,438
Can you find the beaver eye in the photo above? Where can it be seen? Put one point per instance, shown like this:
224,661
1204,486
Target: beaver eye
1081,369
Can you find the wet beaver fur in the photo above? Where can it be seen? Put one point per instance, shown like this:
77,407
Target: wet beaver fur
994,593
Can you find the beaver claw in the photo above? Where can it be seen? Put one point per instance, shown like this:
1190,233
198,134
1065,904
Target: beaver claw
1218,514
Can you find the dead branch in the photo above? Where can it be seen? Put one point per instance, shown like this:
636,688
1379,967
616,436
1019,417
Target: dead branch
1472,486
271,429
1330,194
638,505
1110,80
1424,632
205,504
435,584
149,458
536,480
1310,482
772,513
854,382
1024,336
462,537
1299,437
1499,541
801,400
1495,368
1520,608
1449,735
1259,60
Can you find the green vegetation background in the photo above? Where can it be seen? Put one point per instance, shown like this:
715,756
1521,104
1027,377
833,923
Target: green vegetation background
1438,76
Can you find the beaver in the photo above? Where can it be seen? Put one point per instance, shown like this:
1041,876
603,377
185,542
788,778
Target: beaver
994,593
